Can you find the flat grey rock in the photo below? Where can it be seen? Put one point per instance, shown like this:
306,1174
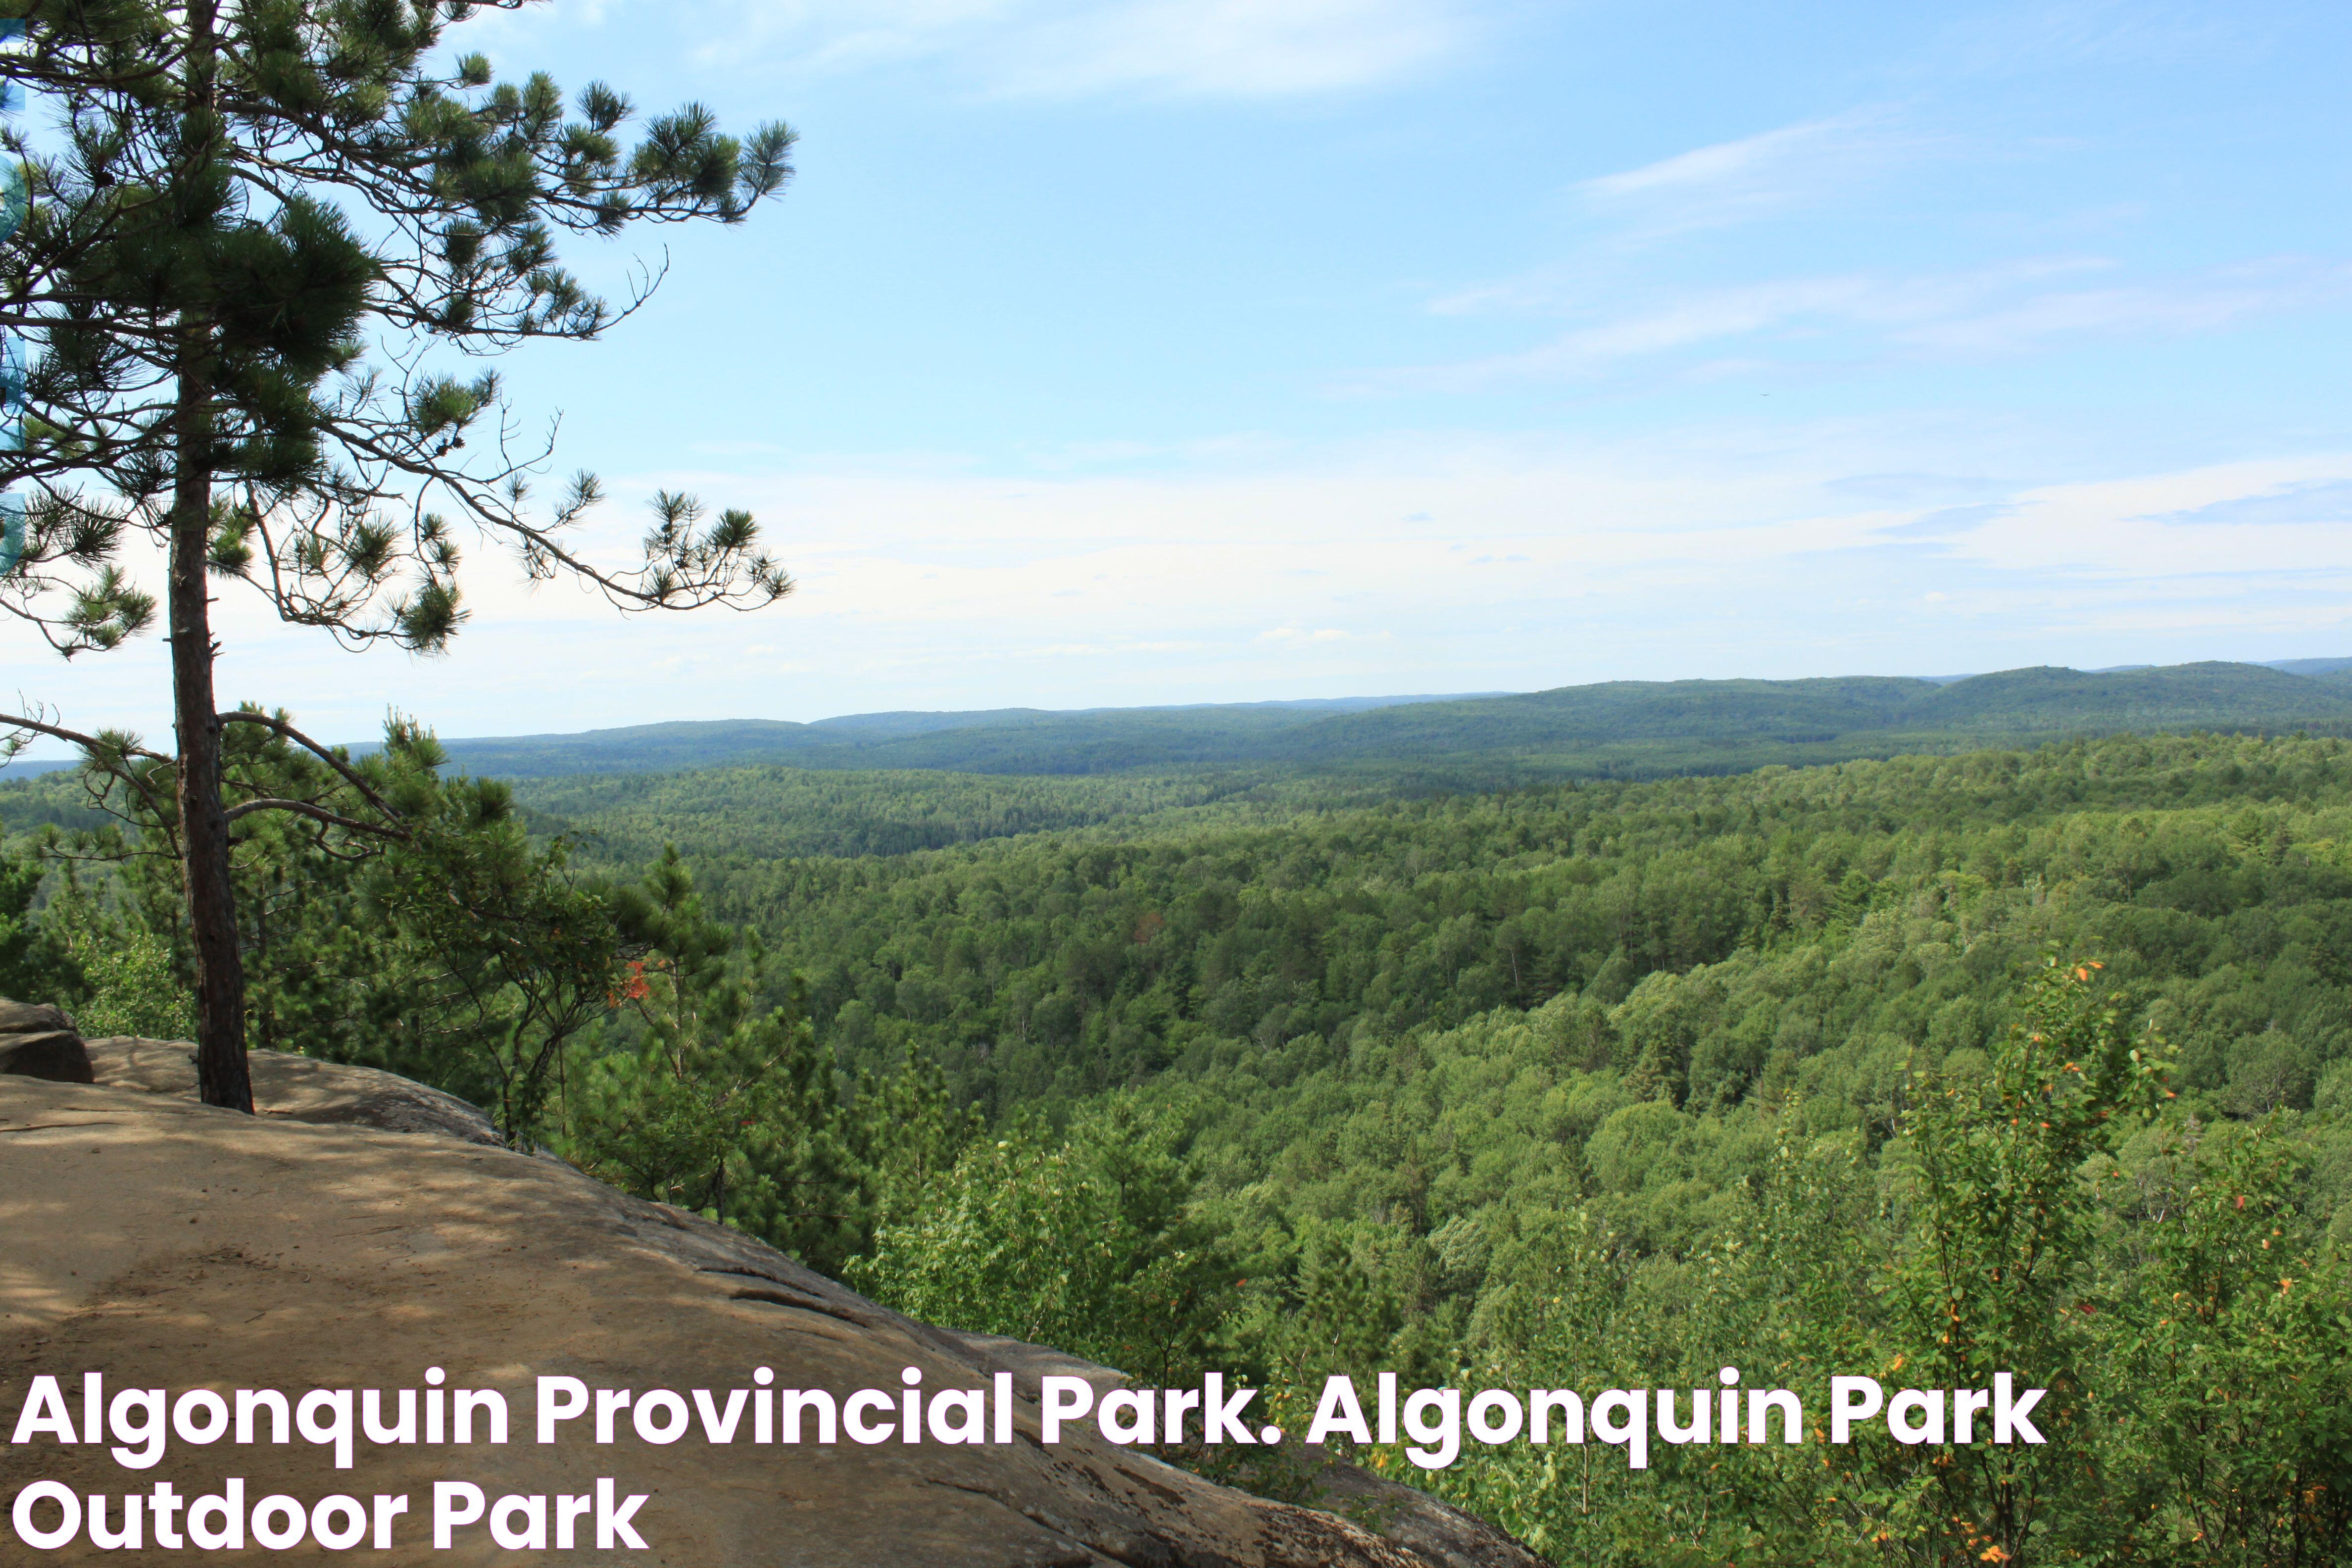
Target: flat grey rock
361,1229
32,1018
298,1088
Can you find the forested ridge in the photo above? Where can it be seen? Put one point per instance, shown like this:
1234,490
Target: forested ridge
1060,964
1627,729
757,813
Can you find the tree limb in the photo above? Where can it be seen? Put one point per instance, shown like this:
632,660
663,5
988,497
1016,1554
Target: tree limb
87,742
351,776
316,814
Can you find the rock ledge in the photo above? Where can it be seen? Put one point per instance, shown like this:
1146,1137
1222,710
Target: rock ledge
364,1228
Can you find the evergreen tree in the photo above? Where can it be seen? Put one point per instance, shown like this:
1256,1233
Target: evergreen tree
399,919
706,1099
33,965
258,228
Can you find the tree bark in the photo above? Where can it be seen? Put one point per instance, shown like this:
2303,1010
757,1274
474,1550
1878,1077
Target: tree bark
222,1075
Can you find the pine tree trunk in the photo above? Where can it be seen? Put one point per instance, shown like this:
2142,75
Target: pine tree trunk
222,1077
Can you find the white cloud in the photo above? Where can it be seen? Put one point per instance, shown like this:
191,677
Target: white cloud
1989,312
2037,35
1227,48
1731,181
1998,322
1076,48
2225,526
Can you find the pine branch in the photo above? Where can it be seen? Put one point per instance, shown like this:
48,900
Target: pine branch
91,744
315,812
351,776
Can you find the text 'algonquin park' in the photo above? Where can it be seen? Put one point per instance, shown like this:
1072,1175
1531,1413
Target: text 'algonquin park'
1594,1117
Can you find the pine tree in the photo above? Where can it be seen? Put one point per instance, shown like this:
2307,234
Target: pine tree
701,1095
260,229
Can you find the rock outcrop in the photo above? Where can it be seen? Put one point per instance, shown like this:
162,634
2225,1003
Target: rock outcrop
41,1042
363,1228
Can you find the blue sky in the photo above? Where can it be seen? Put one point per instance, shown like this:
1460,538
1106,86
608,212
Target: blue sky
1169,350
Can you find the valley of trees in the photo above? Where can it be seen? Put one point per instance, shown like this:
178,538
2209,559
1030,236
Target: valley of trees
1047,967
2034,1060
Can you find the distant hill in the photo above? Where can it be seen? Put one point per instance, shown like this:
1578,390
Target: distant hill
1001,740
1624,729
1615,727
1632,728
1575,718
2174,697
2322,667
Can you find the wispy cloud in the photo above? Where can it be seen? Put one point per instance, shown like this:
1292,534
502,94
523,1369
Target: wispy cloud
2164,308
1228,48
2048,34
1629,213
1080,49
2242,527
1305,635
1990,311
1733,182
2324,501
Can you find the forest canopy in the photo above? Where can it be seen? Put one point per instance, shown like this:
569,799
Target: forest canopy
1597,1081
